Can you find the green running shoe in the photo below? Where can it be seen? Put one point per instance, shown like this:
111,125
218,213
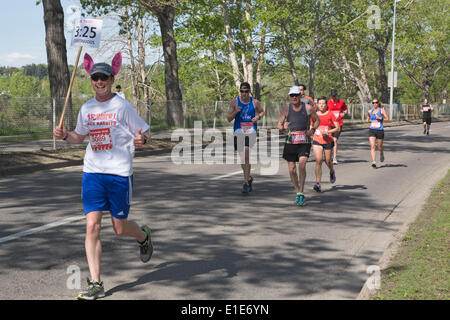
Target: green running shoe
299,199
146,248
94,291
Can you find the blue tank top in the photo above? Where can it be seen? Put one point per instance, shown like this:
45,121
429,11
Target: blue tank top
376,124
243,120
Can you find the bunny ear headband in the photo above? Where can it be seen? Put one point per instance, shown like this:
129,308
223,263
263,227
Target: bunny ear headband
115,64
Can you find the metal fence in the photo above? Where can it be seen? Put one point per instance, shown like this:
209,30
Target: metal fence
24,115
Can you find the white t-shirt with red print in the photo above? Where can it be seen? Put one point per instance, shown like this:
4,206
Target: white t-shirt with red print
112,126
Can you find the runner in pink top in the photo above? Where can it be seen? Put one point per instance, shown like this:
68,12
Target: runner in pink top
323,141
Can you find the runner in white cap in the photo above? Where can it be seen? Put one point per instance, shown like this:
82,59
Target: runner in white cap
296,118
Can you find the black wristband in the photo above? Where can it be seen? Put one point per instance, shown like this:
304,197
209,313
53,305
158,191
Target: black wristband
67,135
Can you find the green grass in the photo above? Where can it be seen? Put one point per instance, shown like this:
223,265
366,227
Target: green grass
421,268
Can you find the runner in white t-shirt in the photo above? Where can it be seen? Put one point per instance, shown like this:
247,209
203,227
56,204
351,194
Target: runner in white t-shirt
114,130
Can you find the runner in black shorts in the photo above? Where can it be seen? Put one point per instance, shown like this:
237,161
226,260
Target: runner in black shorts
245,111
426,110
376,117
298,143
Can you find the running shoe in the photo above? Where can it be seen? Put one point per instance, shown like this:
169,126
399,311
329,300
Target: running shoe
299,199
428,132
335,161
94,291
317,187
250,181
374,165
381,156
245,189
333,177
146,248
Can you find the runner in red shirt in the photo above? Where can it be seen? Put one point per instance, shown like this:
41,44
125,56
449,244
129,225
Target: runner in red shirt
339,109
323,141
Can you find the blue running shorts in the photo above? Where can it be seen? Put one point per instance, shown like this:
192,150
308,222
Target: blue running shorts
107,192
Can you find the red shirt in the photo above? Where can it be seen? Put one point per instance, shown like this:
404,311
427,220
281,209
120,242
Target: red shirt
326,123
337,107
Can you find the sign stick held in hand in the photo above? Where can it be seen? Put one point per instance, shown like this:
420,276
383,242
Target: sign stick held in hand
86,33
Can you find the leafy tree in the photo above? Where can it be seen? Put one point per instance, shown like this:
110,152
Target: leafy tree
424,42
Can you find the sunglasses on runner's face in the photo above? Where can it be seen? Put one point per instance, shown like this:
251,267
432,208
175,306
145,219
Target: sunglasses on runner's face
374,102
245,91
294,95
102,77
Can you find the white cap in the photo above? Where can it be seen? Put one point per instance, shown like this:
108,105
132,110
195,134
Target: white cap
294,90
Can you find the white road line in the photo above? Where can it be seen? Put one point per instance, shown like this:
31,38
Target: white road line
226,175
38,229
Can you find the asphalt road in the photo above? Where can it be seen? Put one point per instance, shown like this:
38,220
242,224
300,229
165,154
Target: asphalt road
213,243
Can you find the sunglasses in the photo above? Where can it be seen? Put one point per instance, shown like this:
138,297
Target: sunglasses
294,95
102,77
375,102
245,91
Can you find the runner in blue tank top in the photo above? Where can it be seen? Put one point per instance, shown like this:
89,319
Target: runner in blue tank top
376,117
245,111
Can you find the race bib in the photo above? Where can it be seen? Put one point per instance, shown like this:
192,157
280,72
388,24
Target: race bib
321,130
336,114
298,137
425,109
100,139
247,127
375,124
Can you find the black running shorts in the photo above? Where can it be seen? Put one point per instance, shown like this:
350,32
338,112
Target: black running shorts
379,134
292,152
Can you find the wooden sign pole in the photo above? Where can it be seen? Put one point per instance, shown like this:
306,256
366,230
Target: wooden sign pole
70,87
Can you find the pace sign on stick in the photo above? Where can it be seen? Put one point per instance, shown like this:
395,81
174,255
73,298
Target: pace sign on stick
86,33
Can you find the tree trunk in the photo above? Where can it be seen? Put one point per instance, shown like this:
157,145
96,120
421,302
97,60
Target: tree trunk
58,70
165,12
231,47
381,51
142,69
134,80
287,49
248,45
262,47
166,17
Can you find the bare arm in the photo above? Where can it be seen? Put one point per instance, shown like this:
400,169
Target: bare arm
233,110
71,137
259,111
384,114
281,125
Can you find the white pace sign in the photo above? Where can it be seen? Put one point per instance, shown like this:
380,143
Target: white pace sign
87,33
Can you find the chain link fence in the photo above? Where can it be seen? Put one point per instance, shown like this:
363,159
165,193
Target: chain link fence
36,117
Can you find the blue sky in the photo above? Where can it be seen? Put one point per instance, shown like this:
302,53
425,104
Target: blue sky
23,33
22,30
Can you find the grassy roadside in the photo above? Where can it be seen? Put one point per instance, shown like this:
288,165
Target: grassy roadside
421,268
